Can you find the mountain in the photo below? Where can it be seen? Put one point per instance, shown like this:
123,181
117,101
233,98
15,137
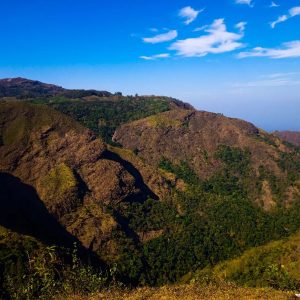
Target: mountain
148,188
292,137
23,88
211,144
72,174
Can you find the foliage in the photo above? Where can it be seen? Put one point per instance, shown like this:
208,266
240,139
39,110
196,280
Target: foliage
105,115
236,159
31,270
274,265
182,171
290,163
211,221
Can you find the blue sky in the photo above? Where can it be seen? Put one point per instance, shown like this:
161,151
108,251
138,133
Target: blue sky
240,59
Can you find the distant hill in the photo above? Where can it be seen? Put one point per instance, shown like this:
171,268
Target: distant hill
292,137
23,88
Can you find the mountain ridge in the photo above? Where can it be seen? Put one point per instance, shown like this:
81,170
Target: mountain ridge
26,88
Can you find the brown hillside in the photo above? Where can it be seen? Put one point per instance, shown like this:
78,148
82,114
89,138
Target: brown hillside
72,172
194,137
292,137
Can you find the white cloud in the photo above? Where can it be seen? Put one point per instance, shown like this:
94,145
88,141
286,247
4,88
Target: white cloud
241,26
154,57
293,12
287,50
189,14
279,20
164,37
273,4
218,40
248,2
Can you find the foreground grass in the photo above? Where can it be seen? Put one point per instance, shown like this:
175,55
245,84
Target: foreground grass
188,292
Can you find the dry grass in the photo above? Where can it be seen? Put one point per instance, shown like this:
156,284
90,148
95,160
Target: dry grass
188,292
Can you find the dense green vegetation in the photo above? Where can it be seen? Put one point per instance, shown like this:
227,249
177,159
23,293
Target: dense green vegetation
31,270
220,229
105,115
211,221
275,264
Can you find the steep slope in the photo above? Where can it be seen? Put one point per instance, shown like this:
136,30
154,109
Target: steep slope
276,265
292,137
211,143
73,173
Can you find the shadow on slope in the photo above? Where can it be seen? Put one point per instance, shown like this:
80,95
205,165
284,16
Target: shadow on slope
22,211
146,192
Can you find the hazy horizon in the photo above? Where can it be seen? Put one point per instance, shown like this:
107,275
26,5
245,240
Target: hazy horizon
238,57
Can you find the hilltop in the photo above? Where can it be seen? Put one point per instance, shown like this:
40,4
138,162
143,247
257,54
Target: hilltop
23,88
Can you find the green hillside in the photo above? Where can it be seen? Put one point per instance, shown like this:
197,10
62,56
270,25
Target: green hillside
104,114
275,265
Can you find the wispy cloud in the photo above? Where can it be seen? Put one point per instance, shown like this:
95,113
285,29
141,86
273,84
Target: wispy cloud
218,40
189,14
280,75
271,80
268,83
156,56
280,19
164,37
293,12
248,2
273,4
241,26
287,50
200,28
